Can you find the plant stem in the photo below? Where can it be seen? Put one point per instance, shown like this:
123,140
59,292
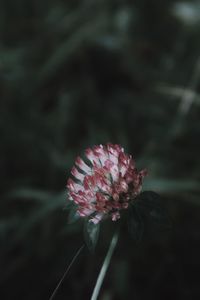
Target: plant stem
67,270
104,267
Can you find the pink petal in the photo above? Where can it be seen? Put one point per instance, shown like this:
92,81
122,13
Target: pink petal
77,174
90,154
97,218
115,216
82,165
74,187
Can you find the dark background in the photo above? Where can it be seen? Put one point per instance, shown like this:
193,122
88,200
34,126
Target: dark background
78,73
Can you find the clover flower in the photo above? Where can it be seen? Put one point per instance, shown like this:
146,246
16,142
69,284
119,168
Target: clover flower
106,184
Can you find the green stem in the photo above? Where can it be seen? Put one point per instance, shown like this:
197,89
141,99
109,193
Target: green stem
66,272
104,267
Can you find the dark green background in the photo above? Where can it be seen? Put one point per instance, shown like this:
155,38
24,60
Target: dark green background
78,73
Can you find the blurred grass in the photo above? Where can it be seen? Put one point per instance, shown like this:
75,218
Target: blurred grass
78,73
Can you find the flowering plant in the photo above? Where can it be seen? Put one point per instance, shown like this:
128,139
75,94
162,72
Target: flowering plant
104,185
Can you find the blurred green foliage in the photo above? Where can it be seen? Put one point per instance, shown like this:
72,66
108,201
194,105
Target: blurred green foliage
78,73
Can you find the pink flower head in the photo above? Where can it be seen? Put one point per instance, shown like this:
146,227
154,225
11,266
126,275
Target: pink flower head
106,185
